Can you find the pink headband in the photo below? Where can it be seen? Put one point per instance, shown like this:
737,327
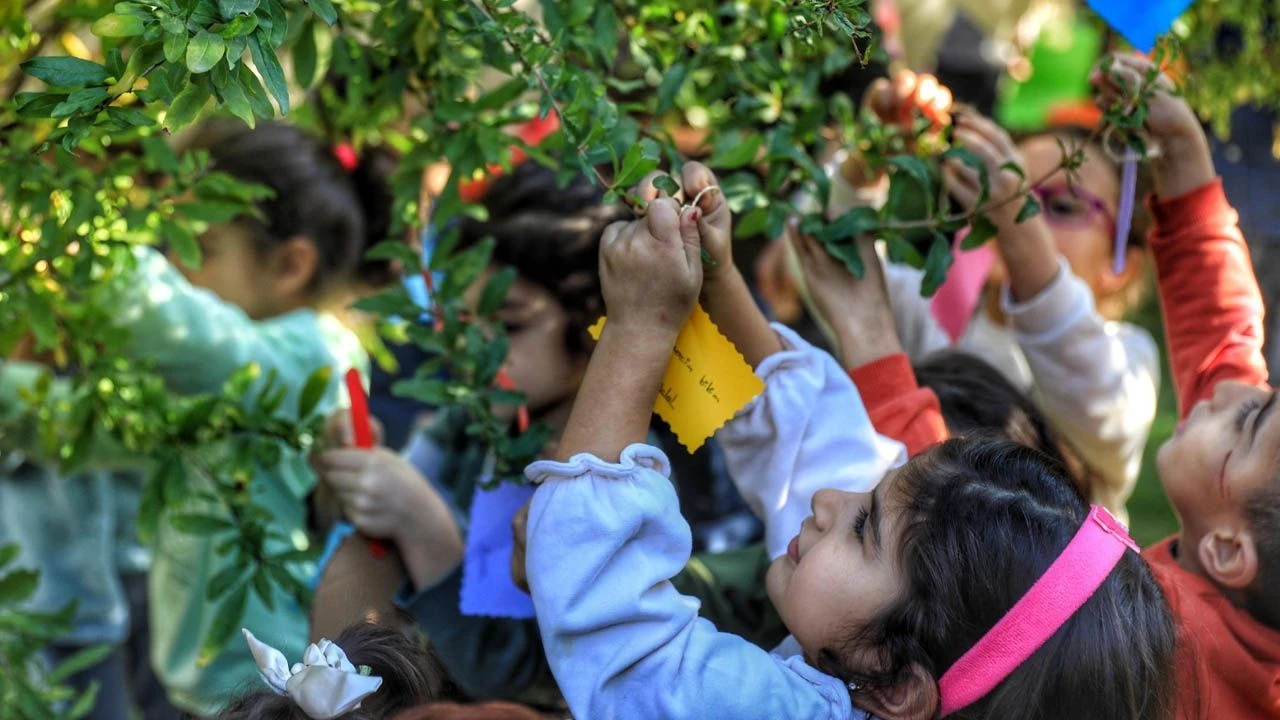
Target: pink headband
1068,583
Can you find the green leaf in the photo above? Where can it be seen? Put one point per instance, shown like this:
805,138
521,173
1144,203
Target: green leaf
65,71
1030,209
847,253
258,99
204,50
39,105
80,101
129,117
605,32
263,588
237,101
1014,168
198,524
913,167
314,391
85,703
212,211
81,660
502,96
187,105
175,46
735,150
18,585
667,184
231,8
640,160
852,224
324,10
151,505
304,57
264,58
226,578
239,26
936,265
495,291
117,26
225,623
980,231
902,251
670,85
8,553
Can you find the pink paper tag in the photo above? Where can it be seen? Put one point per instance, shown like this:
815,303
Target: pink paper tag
956,300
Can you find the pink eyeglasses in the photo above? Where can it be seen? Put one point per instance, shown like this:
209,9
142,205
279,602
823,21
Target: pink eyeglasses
1072,207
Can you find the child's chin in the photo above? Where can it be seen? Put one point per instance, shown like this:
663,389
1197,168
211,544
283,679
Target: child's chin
778,579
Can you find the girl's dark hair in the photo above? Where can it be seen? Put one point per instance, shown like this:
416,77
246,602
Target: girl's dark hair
978,401
551,235
981,522
343,213
411,673
495,710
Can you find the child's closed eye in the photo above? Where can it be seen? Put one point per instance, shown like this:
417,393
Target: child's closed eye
1242,415
860,523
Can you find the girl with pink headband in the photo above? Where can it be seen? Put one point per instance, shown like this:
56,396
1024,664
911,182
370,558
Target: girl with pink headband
972,582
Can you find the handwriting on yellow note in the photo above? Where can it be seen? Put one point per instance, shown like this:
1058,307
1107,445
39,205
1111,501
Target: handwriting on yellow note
706,383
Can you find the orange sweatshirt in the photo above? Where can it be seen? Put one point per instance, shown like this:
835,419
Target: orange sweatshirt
1228,663
899,408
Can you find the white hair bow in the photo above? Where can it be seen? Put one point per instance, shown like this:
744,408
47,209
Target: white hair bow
325,685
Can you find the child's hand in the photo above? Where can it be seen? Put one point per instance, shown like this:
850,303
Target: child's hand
898,101
519,546
385,496
651,268
339,433
1184,162
857,310
699,187
997,151
1027,247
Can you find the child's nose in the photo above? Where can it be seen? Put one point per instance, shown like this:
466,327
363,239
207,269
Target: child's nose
823,506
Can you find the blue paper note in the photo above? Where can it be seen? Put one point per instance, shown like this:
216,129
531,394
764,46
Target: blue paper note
1140,21
486,568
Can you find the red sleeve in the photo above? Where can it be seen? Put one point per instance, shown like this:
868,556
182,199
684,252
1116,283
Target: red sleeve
1212,306
899,408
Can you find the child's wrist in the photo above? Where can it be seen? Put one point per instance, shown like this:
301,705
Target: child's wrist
714,282
1184,164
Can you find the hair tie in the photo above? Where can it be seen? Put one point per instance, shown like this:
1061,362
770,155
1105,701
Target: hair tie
325,685
347,157
1065,587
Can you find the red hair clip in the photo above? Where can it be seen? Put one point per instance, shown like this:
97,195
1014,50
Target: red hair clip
347,158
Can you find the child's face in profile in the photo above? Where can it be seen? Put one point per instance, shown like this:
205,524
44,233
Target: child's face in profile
230,267
1225,450
538,362
841,571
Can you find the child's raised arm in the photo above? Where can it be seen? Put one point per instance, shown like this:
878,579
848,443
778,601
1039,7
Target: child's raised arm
859,315
1212,306
605,531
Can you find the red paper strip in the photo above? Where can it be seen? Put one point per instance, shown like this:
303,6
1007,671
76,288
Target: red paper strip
363,431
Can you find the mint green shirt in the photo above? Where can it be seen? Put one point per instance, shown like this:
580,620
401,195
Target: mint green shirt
196,341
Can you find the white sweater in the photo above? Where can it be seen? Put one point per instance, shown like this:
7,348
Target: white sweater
1095,380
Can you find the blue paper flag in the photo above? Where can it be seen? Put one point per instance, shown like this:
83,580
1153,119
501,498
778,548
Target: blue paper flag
487,588
1140,21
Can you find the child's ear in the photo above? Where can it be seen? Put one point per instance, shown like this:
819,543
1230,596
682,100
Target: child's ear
294,265
1230,557
914,697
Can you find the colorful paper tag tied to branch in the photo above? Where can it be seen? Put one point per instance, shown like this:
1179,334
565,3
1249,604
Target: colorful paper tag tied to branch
1140,21
706,383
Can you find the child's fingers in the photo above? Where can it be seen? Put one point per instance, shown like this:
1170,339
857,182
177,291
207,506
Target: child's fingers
990,132
962,183
691,236
663,221
344,460
611,233
695,178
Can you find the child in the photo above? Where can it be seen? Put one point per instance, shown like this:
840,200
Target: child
395,673
1049,316
258,296
882,591
550,236
1222,571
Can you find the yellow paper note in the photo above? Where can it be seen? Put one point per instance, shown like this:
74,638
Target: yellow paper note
706,383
